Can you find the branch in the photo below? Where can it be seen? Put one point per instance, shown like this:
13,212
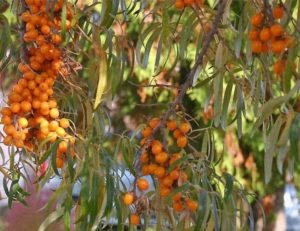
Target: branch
189,80
23,51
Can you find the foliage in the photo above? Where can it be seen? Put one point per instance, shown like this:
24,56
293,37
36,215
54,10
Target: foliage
129,61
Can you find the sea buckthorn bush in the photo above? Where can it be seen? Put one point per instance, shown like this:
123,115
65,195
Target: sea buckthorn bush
149,115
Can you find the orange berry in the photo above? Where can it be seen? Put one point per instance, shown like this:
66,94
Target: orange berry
54,113
256,46
256,19
177,133
253,35
6,120
185,127
145,170
23,122
152,168
265,48
176,197
134,219
179,4
154,122
6,111
156,148
144,158
146,132
26,106
276,30
265,34
142,184
175,174
128,198
15,107
161,157
164,191
192,205
160,172
9,129
278,46
278,12
178,207
188,2
53,104
63,147
167,181
45,29
182,141
171,125
64,123
56,39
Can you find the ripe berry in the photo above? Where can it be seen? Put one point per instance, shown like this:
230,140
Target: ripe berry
164,191
171,125
276,30
192,205
265,34
134,219
154,122
147,132
182,142
185,127
253,35
128,198
142,184
256,46
278,12
179,4
178,207
256,19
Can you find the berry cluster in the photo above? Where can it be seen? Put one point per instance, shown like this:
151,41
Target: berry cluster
181,4
267,35
161,165
32,114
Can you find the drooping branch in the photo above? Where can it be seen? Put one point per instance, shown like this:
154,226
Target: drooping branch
199,61
190,77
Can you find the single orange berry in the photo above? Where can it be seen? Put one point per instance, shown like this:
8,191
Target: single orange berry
256,19
276,30
256,46
192,205
278,46
161,157
185,127
146,132
176,197
144,158
134,219
59,162
278,12
265,34
160,172
142,184
178,207
164,191
182,141
154,122
179,4
128,198
54,113
156,148
171,125
253,35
